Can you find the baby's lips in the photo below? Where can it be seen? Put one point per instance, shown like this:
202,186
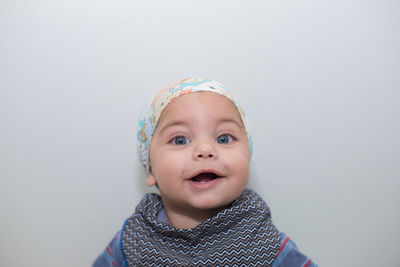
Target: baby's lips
210,173
204,177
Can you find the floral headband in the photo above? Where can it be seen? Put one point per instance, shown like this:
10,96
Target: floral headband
151,114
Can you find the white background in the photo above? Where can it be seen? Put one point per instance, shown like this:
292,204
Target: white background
319,81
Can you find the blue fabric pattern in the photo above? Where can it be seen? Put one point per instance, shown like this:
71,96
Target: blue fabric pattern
290,256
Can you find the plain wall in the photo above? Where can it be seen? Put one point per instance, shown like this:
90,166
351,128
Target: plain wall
319,81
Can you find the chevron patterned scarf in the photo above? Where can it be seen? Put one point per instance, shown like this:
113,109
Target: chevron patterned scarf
240,235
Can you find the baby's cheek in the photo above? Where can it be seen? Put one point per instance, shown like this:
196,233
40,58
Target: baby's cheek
171,165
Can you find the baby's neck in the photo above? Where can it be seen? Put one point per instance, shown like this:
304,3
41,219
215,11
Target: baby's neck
185,219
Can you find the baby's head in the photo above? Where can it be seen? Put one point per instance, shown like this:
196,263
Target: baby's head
195,145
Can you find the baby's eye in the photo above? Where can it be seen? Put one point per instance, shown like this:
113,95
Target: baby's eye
224,139
180,140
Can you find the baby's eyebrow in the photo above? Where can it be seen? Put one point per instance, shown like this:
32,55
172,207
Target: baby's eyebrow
232,120
172,123
184,123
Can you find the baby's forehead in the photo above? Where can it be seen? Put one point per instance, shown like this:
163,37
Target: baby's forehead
196,101
201,97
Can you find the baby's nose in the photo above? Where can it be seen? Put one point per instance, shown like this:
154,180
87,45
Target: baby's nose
205,151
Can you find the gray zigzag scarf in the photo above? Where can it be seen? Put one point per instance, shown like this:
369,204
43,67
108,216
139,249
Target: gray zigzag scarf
240,235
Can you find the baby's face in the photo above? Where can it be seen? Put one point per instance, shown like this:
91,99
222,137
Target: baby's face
199,153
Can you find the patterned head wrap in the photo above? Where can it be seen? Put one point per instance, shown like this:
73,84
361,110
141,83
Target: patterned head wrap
152,113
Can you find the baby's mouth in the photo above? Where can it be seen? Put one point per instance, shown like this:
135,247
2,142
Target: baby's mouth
204,177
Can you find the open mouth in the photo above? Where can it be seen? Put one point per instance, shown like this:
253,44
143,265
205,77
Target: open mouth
204,177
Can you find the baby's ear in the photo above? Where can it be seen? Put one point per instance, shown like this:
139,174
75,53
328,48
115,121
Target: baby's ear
150,179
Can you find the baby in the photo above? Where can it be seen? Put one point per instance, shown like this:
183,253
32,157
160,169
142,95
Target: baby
195,146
